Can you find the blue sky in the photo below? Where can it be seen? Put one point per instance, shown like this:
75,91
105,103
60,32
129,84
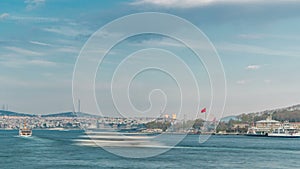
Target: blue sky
258,44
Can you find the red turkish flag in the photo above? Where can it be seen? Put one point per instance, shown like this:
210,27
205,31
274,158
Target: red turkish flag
203,110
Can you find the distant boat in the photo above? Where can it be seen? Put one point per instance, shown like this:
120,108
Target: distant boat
25,131
286,130
263,127
273,128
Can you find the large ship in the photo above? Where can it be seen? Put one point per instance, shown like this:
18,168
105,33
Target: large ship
25,131
263,127
286,130
273,128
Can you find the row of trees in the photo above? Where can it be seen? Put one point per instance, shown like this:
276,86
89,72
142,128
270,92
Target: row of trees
292,116
195,124
158,125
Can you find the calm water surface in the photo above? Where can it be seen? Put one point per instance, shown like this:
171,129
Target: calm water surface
56,149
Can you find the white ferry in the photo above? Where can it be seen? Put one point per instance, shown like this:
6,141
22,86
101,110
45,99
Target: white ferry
25,131
273,128
286,130
263,127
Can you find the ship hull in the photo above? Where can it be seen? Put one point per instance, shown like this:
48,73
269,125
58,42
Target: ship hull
27,133
284,135
257,135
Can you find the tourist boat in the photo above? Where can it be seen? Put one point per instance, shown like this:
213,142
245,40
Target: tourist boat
255,131
263,127
273,128
25,131
286,130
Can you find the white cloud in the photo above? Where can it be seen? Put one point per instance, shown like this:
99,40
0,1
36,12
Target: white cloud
168,42
164,42
251,36
267,81
33,4
23,51
176,3
253,67
197,3
68,49
3,16
256,50
10,81
48,74
41,63
68,31
241,82
255,36
17,63
35,19
40,43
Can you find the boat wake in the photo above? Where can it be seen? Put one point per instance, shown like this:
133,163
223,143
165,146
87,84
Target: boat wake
115,139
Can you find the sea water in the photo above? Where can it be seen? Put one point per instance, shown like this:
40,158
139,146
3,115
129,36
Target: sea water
58,150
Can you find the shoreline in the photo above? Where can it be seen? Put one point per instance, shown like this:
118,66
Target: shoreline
177,133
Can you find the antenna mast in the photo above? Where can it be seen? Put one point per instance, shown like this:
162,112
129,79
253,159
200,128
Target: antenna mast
78,105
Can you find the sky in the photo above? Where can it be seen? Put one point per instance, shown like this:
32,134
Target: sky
257,42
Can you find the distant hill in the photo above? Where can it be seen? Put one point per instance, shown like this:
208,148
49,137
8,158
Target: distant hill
228,118
70,114
291,113
10,113
63,114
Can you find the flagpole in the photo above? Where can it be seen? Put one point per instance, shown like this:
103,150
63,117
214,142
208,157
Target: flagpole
204,111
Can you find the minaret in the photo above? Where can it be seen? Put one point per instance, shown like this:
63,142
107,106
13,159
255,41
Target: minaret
78,105
73,109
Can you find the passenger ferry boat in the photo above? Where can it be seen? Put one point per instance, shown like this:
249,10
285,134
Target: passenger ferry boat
286,130
273,128
25,131
263,127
